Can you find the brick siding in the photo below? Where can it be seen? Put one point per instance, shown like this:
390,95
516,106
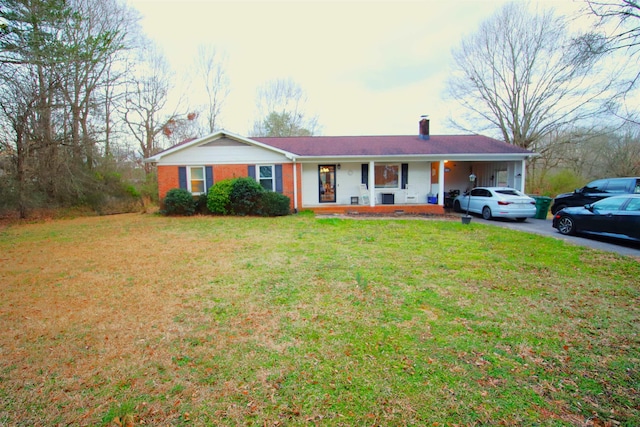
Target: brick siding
168,178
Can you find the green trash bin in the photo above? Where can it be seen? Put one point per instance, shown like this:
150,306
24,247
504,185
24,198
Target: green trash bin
542,206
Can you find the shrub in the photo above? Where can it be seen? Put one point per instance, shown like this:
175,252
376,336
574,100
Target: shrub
178,201
201,204
563,181
149,188
274,204
107,193
218,199
245,196
131,191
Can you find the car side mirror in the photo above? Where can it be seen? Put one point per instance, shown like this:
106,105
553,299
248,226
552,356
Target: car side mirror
579,190
589,207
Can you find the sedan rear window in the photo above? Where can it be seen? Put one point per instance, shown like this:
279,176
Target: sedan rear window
509,192
634,205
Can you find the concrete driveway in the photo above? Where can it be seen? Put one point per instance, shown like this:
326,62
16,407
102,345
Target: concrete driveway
543,226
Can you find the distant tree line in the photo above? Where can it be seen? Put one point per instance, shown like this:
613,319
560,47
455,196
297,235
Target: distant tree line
571,97
84,97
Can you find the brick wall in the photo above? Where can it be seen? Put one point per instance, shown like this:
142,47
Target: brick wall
287,181
222,172
168,178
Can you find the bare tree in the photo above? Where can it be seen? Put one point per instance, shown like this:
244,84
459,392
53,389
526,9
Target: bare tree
210,67
616,34
522,75
281,110
146,110
613,152
53,56
99,34
18,100
620,22
32,47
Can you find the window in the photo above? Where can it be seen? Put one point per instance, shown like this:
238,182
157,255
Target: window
617,186
196,180
501,178
595,186
387,175
610,204
266,177
510,192
481,192
634,205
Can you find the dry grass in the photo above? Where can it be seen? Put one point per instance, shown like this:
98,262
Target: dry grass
240,321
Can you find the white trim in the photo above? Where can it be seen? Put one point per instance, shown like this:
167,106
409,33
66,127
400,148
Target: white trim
417,157
204,180
273,175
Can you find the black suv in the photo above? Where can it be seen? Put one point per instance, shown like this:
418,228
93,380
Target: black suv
594,191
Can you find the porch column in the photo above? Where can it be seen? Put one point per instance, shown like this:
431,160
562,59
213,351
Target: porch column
372,184
295,186
441,183
523,174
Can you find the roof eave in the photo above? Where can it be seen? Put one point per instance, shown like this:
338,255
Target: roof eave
423,157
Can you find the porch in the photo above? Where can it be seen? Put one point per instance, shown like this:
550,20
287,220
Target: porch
408,186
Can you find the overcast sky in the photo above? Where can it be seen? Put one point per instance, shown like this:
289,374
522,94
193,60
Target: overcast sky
367,67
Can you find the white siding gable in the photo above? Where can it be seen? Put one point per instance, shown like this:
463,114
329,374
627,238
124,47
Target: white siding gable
222,151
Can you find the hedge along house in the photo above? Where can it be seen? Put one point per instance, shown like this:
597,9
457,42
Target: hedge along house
416,174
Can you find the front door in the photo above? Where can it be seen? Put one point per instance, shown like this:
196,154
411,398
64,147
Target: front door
327,179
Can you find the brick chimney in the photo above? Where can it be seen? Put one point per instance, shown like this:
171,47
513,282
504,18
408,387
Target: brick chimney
424,128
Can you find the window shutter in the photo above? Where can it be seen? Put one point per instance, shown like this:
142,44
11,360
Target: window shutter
252,171
365,174
405,175
278,178
182,177
208,182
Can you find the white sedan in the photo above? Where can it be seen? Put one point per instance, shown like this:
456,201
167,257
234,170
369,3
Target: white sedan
503,202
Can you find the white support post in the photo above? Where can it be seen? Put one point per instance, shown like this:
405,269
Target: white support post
441,183
372,184
295,186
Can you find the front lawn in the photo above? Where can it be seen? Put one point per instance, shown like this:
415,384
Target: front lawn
151,320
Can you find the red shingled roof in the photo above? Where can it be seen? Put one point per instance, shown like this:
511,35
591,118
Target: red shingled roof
390,145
